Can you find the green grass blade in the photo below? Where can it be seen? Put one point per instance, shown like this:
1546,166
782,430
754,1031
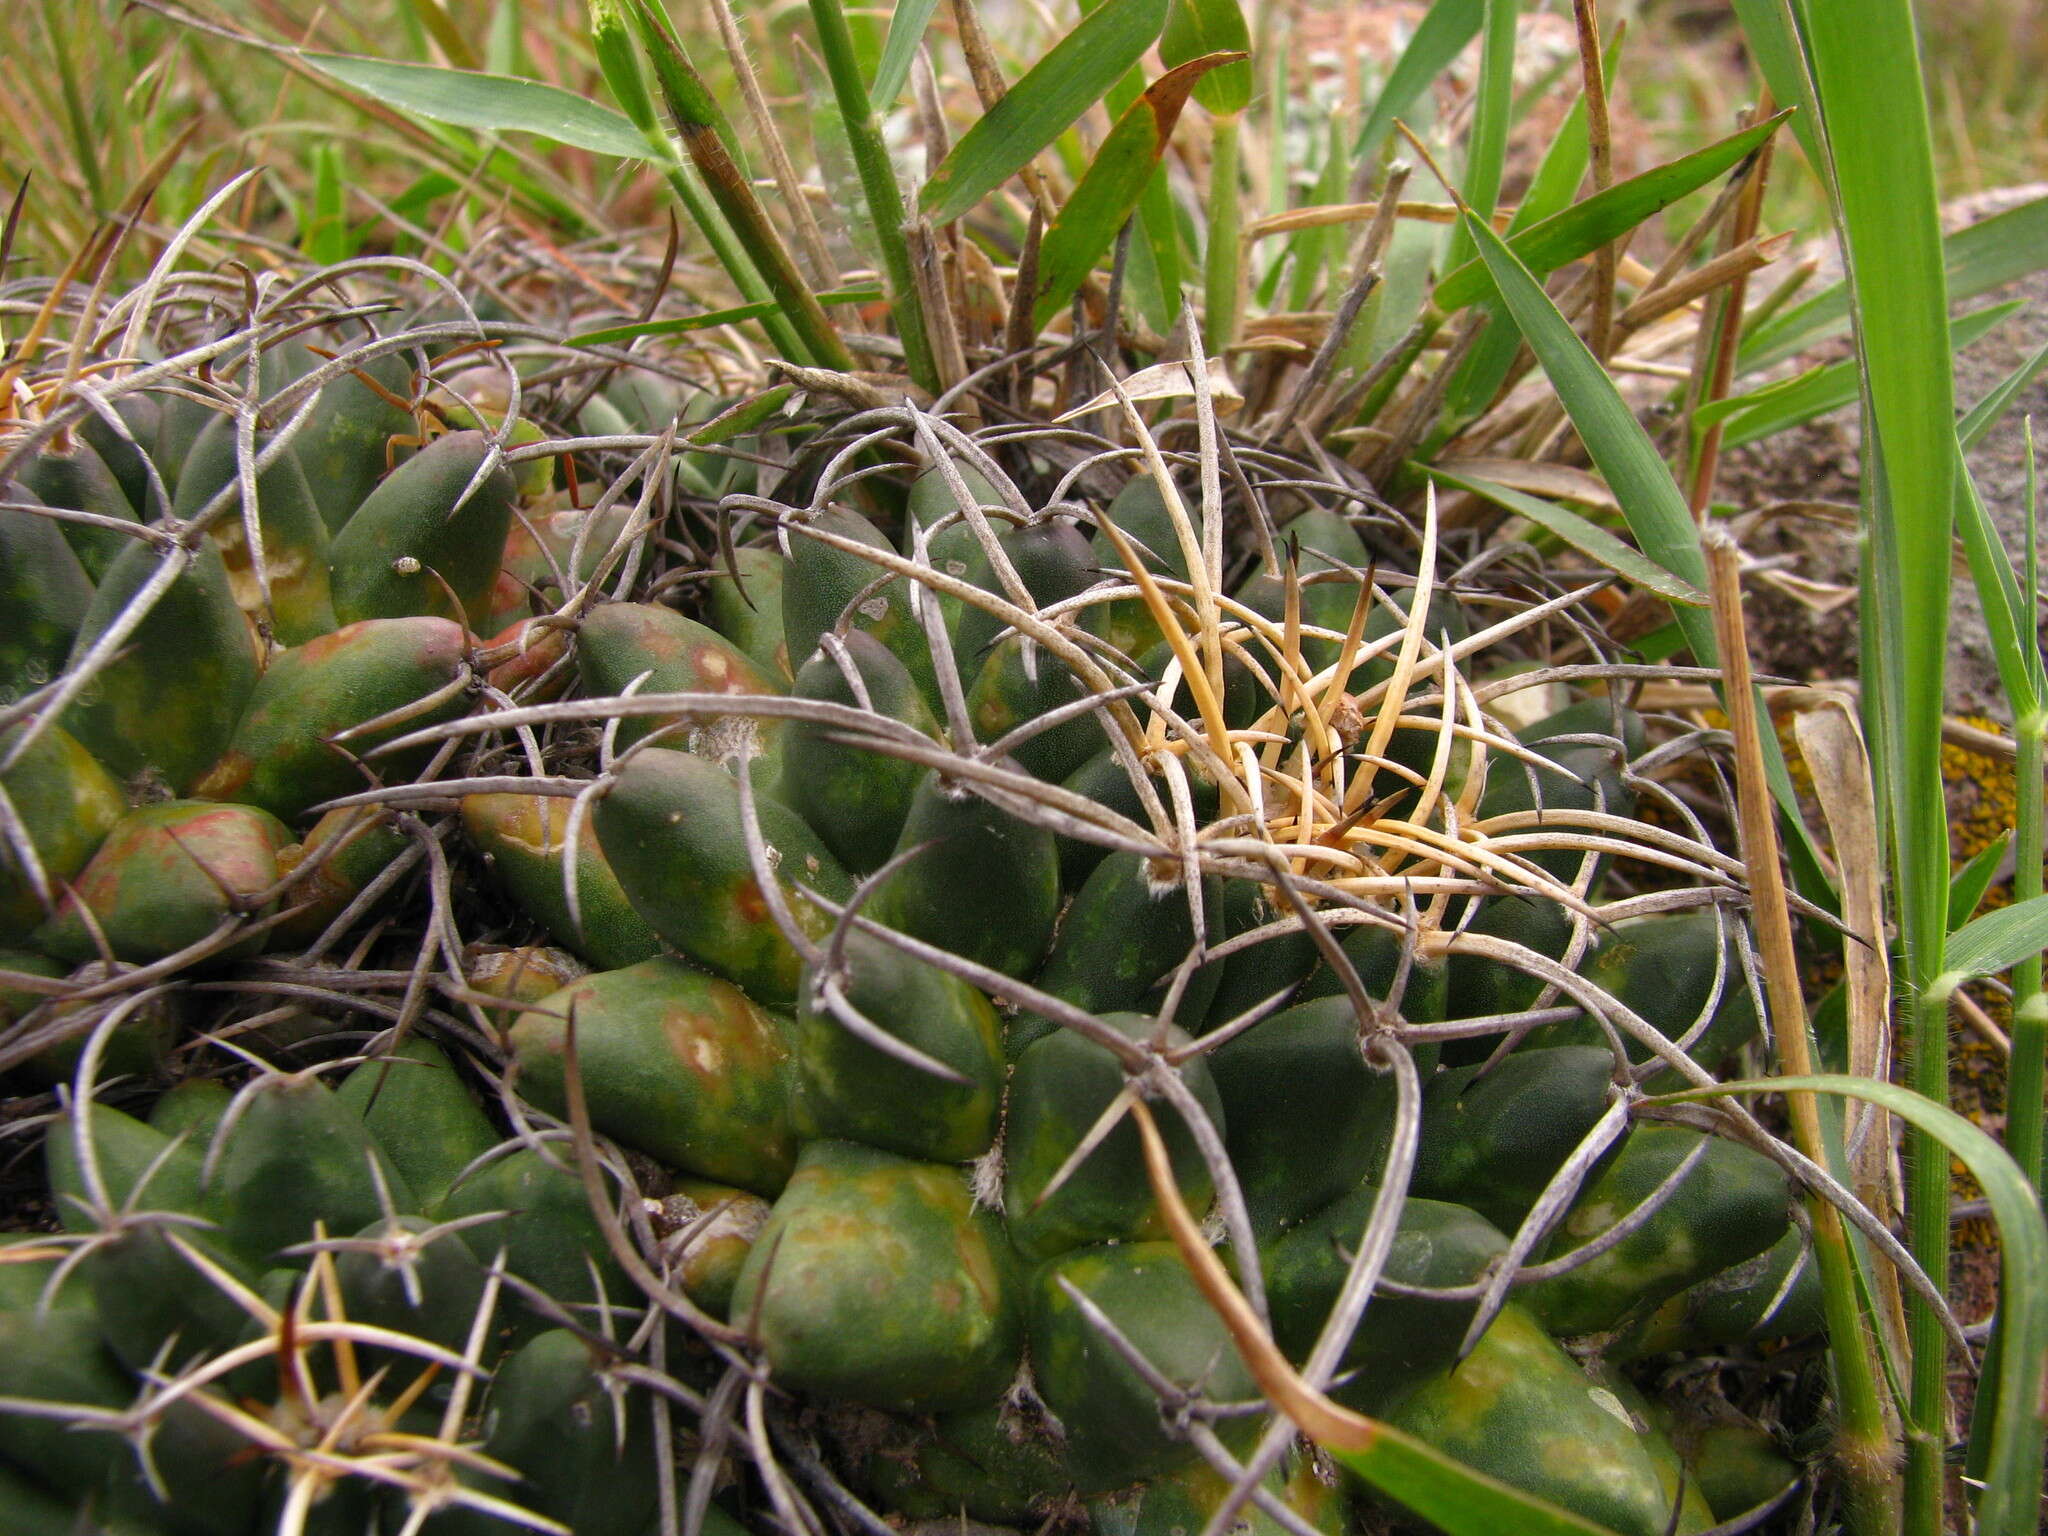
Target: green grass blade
488,103
899,50
2037,664
1868,72
1772,37
2025,1131
1641,481
618,60
1998,940
1479,376
1551,191
1990,410
1586,226
86,141
613,335
1113,183
1486,149
1159,233
505,49
878,186
693,110
1152,277
2008,615
327,239
1309,252
414,31
1055,91
1966,890
1779,407
1439,38
1582,533
433,16
1486,366
1199,28
1223,256
1451,1496
1195,29
423,192
2010,1502
1557,177
1866,69
740,419
1975,260
679,325
701,126
1564,164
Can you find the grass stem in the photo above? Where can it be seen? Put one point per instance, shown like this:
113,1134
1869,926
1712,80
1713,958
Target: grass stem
727,252
1866,73
1727,326
1223,279
810,239
1927,1228
878,184
1600,143
1863,1446
698,123
2024,1085
618,61
85,140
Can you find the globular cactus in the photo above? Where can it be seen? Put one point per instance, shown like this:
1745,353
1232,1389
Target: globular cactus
949,819
281,1308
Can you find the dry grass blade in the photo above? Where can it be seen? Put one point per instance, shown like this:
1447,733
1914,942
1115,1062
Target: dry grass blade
1385,1455
1831,744
1600,139
1869,1435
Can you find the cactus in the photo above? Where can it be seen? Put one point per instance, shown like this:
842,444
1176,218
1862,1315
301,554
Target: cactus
901,878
